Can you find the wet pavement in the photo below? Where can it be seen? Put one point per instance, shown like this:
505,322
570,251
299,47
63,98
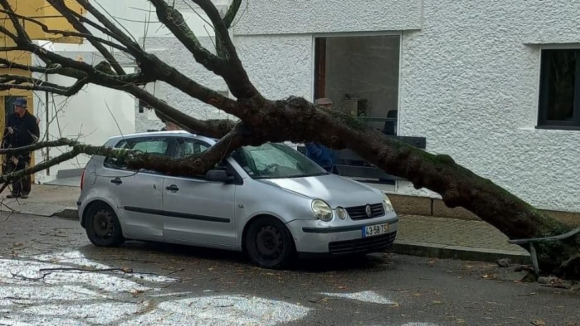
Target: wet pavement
51,275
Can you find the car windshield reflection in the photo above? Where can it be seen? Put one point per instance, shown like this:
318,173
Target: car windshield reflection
275,161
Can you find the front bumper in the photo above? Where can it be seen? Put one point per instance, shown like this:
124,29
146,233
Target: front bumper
316,237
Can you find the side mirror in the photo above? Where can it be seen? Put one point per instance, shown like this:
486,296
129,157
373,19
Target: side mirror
219,176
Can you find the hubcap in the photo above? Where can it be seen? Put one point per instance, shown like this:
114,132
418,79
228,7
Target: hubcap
269,242
103,224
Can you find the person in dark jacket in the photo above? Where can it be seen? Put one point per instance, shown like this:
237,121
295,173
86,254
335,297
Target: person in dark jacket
319,153
21,130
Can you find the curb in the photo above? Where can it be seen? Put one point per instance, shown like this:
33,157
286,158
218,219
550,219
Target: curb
68,213
432,250
429,250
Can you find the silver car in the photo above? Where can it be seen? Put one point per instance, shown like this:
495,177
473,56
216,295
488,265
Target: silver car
269,201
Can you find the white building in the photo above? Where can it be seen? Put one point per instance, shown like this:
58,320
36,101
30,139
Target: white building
465,75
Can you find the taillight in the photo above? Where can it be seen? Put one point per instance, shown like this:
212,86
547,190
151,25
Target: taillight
82,179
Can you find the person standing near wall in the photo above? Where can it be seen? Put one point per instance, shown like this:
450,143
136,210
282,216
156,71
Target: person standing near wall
22,129
319,153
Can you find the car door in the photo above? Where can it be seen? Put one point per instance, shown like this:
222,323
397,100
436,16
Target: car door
139,194
198,211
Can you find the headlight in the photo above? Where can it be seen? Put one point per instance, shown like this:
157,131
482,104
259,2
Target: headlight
387,204
341,213
321,210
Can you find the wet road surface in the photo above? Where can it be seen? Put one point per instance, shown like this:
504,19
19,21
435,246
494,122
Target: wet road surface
44,281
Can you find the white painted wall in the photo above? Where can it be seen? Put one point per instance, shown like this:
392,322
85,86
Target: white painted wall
469,82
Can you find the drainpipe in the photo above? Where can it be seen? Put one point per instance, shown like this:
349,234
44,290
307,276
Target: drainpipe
47,122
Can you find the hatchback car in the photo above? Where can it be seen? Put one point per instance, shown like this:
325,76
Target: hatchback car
269,201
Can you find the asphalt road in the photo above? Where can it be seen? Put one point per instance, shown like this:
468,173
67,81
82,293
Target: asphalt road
154,284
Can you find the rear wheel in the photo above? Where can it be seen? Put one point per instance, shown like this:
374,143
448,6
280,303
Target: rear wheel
269,243
103,227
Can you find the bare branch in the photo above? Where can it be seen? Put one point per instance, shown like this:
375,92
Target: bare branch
39,145
87,34
21,33
174,21
235,75
120,36
95,41
197,164
193,166
8,81
232,12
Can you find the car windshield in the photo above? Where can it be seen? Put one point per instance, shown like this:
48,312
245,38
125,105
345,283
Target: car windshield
273,160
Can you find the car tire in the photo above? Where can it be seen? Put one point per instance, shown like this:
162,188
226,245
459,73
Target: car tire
269,243
103,227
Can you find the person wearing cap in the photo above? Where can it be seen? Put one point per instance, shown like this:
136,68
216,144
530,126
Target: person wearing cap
319,153
21,130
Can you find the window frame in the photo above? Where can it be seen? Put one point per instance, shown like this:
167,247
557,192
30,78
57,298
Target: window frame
238,180
543,122
109,165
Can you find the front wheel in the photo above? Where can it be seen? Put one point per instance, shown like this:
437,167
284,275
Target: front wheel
103,227
269,243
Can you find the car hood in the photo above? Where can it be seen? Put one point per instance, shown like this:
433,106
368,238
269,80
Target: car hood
335,190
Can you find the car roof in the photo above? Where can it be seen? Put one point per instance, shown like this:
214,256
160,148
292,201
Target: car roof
171,133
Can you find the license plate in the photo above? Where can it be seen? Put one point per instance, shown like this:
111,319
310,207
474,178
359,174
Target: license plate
369,231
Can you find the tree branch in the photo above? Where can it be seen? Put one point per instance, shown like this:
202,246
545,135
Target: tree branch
20,32
39,145
133,47
95,41
192,166
39,85
231,13
235,75
173,20
87,34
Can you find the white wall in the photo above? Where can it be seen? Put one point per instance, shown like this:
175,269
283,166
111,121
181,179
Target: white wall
469,79
268,17
471,87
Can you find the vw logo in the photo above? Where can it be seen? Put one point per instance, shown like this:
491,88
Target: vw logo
369,211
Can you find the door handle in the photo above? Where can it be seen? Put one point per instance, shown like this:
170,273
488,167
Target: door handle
116,181
172,188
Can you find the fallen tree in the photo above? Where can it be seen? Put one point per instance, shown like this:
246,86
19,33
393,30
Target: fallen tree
262,120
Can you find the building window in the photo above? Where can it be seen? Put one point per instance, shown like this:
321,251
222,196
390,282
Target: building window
360,75
559,90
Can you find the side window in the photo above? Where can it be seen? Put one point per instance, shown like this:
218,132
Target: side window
155,146
187,146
